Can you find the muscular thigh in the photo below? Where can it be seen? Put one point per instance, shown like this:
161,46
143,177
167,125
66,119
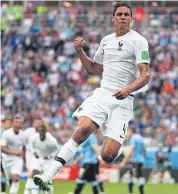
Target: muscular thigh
85,127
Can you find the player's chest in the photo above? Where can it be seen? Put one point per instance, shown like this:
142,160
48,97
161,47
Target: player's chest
43,145
118,49
15,140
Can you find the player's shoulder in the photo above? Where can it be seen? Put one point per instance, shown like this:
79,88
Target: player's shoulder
108,37
30,129
137,36
7,131
34,136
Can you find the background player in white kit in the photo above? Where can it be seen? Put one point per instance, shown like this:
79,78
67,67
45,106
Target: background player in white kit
6,124
28,154
13,143
123,60
44,148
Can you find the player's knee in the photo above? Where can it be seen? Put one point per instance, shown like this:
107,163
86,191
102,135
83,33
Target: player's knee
108,157
15,178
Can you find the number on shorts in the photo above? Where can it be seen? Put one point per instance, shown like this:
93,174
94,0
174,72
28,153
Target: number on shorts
124,130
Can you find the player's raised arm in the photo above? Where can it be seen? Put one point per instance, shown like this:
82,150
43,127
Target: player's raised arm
89,65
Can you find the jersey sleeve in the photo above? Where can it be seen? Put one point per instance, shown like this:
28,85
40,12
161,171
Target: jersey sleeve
141,51
98,58
133,142
4,139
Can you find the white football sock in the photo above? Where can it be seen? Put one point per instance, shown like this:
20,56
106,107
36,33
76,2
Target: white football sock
28,186
35,189
67,152
14,188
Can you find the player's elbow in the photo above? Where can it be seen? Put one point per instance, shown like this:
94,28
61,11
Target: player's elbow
147,77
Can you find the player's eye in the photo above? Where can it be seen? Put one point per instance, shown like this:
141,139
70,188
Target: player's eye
121,14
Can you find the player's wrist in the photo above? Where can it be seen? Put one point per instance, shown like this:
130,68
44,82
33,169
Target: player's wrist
99,157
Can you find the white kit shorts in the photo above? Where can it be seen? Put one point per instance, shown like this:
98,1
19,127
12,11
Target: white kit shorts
111,114
14,166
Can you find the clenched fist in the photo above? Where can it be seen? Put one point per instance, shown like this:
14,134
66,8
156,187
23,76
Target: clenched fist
79,43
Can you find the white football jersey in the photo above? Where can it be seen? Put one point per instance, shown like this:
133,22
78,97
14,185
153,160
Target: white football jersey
48,147
28,133
120,57
13,142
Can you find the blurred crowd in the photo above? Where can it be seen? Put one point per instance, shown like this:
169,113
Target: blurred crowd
42,76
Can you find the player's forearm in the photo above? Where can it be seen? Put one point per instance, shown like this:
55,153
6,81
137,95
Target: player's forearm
141,81
128,156
7,151
96,150
89,65
79,158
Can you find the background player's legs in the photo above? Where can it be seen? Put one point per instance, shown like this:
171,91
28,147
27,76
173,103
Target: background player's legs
79,186
84,128
94,185
130,182
15,184
110,149
3,181
100,185
99,181
34,188
28,185
140,179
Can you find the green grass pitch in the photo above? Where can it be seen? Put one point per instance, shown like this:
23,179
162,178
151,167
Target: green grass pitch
110,188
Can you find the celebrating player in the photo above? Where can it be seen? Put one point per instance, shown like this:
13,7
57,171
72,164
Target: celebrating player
123,61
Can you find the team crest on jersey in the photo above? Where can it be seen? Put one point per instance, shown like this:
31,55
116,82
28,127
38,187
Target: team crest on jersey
120,45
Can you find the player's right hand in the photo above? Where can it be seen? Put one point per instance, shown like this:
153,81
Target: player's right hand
79,43
19,153
102,162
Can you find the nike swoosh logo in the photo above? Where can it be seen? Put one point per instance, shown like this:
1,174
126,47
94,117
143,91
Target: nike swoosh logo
105,44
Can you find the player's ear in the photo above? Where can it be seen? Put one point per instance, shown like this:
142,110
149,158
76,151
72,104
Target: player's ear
113,19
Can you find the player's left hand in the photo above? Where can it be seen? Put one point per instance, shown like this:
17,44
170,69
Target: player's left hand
121,93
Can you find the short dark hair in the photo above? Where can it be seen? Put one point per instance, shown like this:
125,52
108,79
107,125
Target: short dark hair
121,4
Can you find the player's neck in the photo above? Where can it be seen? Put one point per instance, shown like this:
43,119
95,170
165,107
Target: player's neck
122,32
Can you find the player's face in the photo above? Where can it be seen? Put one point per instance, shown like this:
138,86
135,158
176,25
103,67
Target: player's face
42,135
37,123
17,124
122,18
7,124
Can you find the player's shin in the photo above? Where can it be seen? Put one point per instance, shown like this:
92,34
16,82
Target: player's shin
66,153
100,185
28,186
130,185
141,183
14,187
94,185
79,186
34,189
